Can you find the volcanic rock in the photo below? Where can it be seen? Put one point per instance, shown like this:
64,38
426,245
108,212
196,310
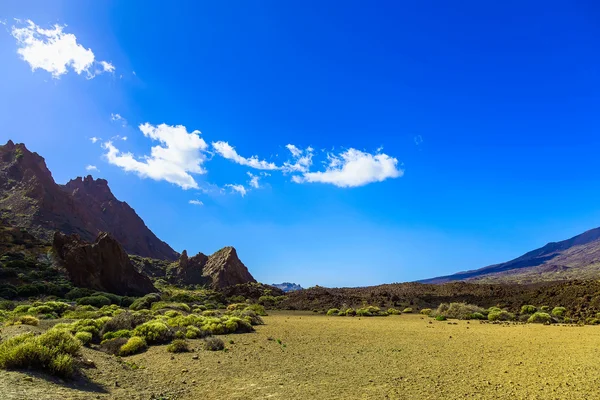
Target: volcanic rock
30,199
102,265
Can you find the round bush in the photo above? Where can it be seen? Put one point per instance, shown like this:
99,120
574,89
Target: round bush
407,310
501,315
95,301
213,344
540,318
178,346
333,311
426,311
528,309
84,337
134,345
559,311
154,332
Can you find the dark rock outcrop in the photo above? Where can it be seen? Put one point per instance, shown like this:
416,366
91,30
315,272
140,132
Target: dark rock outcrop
220,270
102,265
29,198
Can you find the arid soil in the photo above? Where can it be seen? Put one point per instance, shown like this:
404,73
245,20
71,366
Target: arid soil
299,355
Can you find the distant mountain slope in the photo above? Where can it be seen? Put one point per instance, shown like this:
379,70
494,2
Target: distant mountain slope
287,286
30,198
575,258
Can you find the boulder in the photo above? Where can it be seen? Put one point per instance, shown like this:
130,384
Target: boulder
102,265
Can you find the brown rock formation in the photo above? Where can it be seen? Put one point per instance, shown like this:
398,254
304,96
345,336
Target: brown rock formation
219,270
225,269
102,265
30,198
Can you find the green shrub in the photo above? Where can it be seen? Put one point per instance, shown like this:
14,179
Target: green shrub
333,311
394,311
7,305
528,309
134,345
545,309
95,301
440,318
84,337
114,299
22,309
236,306
178,346
213,344
28,291
501,315
407,310
123,333
350,312
540,318
154,332
193,332
160,305
269,301
478,315
457,310
127,301
51,352
493,309
426,311
258,309
125,321
24,320
77,293
559,311
145,302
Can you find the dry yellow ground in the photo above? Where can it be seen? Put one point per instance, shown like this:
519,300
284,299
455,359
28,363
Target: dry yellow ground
396,357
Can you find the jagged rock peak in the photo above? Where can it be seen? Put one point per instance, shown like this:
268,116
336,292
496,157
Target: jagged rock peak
98,188
226,269
102,265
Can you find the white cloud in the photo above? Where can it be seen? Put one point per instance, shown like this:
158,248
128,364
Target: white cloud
94,139
253,180
180,155
227,151
107,67
296,152
354,168
196,202
238,188
418,139
118,118
91,168
54,51
124,138
302,159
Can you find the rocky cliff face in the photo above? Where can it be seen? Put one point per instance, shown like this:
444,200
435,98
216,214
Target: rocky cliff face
102,265
30,198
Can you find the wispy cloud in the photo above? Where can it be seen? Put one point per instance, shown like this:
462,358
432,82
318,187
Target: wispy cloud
418,140
118,118
253,182
91,168
94,139
227,151
238,188
55,51
196,202
302,159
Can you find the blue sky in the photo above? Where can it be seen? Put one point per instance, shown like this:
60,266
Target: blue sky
429,137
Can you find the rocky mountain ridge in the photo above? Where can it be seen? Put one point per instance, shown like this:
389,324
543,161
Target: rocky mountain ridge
574,258
31,199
